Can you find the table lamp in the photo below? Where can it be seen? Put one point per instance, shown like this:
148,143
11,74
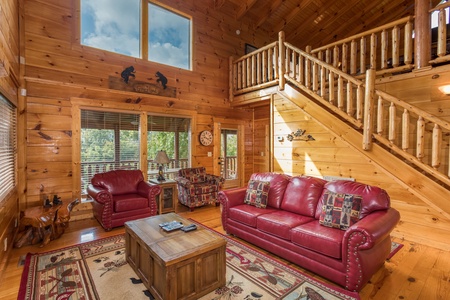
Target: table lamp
161,159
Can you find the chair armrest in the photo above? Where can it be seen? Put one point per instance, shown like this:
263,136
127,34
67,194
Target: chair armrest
214,179
183,182
99,194
149,191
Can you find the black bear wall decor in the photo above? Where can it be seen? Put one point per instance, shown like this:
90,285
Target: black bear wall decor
127,73
162,79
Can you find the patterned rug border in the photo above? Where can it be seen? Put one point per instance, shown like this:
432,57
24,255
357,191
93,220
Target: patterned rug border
330,288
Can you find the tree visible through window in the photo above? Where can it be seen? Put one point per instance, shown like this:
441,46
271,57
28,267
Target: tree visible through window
115,25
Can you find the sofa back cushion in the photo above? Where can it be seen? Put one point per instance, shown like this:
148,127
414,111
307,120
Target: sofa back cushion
278,183
373,198
118,182
302,195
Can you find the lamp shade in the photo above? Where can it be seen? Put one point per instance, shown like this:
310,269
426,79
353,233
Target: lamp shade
161,157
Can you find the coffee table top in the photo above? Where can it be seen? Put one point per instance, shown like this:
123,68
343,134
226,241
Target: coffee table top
176,245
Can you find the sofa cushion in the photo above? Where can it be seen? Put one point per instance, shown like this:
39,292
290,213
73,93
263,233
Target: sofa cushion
340,210
302,195
373,198
278,183
257,193
247,214
280,223
316,237
129,202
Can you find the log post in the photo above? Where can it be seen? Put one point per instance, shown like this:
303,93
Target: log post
368,109
281,60
422,32
232,80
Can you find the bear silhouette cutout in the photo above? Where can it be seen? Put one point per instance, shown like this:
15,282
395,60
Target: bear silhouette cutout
162,79
127,73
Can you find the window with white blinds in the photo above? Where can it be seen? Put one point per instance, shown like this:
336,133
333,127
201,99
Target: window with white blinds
109,141
8,144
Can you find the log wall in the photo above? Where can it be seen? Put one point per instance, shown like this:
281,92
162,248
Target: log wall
328,155
58,69
9,82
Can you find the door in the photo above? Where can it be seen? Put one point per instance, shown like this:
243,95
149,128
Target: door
229,155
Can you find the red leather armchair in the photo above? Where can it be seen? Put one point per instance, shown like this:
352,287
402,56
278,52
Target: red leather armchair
121,196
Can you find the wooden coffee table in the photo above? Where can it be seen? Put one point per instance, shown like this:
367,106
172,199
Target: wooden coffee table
177,264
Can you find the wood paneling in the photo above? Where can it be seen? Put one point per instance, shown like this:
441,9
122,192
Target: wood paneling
328,156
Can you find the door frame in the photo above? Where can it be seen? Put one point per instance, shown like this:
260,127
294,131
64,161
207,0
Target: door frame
238,125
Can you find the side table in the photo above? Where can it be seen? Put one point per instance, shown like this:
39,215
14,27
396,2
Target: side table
168,198
40,224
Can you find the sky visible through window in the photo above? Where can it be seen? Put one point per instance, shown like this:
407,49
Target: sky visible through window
114,25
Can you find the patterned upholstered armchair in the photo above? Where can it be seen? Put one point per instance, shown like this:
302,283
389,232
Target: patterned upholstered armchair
196,188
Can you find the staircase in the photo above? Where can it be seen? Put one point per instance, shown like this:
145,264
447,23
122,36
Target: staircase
409,144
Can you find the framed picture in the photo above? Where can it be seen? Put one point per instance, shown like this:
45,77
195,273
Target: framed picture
249,48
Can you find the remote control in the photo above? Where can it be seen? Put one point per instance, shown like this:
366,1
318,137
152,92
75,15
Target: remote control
189,228
169,223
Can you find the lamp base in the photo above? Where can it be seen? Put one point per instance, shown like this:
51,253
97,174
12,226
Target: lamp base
160,174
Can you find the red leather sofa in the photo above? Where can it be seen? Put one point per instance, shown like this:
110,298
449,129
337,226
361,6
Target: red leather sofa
289,226
121,196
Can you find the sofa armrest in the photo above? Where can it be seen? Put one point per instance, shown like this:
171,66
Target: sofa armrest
366,245
99,194
183,182
374,227
232,197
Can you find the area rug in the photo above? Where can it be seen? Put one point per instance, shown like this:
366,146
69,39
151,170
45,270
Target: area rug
98,270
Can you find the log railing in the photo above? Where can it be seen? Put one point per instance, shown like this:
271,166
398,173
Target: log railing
387,49
441,45
419,137
255,70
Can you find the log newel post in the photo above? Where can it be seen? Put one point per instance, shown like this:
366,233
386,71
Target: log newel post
422,32
282,60
232,80
368,109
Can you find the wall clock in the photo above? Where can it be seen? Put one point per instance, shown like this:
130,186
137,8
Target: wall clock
206,138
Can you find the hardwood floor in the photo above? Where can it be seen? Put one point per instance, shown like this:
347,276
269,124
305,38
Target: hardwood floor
415,272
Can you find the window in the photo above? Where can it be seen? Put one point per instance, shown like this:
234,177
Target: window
115,25
170,134
8,160
109,141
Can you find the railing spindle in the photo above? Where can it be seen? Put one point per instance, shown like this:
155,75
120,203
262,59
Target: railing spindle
395,46
307,73
373,51
344,66
392,127
442,33
315,83
384,49
350,99
353,56
420,138
301,70
336,57
340,93
362,55
405,130
436,147
380,116
331,88
408,43
359,103
264,65
323,81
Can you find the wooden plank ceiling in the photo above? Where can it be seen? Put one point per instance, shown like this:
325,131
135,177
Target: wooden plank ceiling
316,22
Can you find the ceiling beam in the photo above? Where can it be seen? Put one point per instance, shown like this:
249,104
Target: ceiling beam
245,7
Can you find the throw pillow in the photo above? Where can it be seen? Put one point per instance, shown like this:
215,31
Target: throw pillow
340,210
257,193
